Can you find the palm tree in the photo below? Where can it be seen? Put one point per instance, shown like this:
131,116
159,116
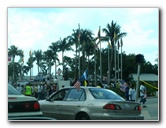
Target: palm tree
73,40
38,57
17,70
13,51
25,69
49,58
112,32
64,45
85,40
54,47
30,62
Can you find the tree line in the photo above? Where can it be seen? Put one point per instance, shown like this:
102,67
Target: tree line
88,55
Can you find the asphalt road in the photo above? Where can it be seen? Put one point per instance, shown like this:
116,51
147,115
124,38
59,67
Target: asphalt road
151,113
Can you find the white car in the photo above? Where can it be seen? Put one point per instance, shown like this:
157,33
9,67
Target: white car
20,105
89,103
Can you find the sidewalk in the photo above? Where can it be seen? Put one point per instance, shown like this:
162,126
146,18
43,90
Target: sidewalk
151,112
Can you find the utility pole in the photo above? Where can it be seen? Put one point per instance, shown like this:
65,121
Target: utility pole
139,59
100,59
108,64
121,59
79,50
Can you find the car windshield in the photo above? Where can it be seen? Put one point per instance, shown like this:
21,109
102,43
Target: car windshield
12,90
99,93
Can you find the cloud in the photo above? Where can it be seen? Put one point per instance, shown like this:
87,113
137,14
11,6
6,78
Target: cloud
30,28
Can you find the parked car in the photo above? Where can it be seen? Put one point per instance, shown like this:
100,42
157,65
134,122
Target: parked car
20,105
89,103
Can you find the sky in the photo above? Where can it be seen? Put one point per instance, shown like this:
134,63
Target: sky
36,28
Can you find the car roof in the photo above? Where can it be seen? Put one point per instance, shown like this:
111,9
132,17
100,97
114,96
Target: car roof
85,87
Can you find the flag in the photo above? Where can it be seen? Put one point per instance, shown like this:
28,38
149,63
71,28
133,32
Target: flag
21,60
77,85
85,75
81,79
96,47
85,83
99,33
9,58
121,41
123,85
30,53
114,35
118,44
109,45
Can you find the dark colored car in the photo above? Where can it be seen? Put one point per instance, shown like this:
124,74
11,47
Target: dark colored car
20,105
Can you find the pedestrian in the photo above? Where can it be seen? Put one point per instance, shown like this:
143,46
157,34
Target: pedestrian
132,94
28,90
127,92
35,90
19,88
40,89
143,94
49,89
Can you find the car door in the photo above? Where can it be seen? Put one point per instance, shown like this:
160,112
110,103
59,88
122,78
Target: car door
52,105
72,104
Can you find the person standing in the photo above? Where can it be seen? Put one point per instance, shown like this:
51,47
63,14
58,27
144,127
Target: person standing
143,94
39,91
127,92
132,95
28,90
19,88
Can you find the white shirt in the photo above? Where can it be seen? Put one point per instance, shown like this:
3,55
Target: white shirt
19,89
142,90
132,95
39,88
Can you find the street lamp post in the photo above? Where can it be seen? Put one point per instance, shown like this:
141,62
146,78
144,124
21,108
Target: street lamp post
139,59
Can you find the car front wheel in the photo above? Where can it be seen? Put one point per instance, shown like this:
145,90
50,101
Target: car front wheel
82,116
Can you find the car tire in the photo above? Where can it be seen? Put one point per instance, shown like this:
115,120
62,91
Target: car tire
82,116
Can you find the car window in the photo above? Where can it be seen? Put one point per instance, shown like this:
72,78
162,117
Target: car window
100,93
59,95
13,91
75,95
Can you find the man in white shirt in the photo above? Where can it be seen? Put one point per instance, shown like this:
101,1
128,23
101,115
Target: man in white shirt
143,94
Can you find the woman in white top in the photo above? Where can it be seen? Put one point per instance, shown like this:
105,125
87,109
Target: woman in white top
132,95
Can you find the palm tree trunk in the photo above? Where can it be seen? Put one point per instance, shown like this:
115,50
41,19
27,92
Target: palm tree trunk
111,62
118,63
30,73
62,62
115,61
95,68
121,64
100,63
79,50
55,68
13,69
108,66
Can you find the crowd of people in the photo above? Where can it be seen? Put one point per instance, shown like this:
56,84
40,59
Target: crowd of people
40,90
130,93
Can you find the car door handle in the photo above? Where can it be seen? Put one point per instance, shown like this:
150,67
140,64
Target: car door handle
78,106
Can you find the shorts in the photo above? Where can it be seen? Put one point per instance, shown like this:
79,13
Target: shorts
143,100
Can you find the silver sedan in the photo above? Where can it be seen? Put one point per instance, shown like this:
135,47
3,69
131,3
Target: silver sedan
89,103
